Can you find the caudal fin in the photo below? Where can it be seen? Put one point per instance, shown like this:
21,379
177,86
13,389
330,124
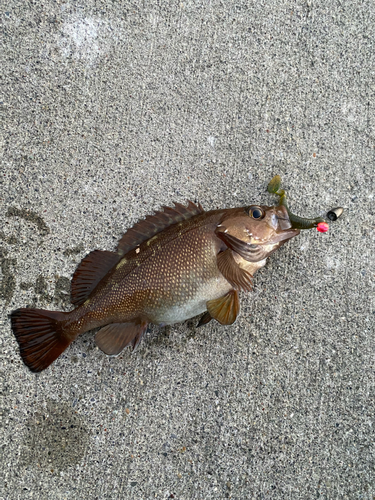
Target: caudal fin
40,335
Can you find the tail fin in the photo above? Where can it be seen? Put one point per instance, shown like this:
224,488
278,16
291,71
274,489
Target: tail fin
40,335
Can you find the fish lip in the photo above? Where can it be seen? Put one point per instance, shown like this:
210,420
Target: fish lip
284,236
283,230
282,218
280,237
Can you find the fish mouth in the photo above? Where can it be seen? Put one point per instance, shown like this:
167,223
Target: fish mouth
284,227
282,217
284,236
295,221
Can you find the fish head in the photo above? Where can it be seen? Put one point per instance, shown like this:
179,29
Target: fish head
257,231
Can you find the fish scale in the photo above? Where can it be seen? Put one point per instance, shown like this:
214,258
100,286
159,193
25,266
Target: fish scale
168,273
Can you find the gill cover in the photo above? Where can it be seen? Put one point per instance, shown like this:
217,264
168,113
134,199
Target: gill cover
257,231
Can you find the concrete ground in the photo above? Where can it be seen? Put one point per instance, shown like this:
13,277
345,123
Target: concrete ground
112,109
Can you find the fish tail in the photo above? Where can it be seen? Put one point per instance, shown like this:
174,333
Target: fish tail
40,335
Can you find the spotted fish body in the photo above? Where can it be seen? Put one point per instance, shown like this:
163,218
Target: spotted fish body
174,265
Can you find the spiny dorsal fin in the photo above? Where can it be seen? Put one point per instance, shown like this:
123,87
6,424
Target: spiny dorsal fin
89,273
154,224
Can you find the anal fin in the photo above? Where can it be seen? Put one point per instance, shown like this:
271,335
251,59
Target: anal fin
113,338
225,309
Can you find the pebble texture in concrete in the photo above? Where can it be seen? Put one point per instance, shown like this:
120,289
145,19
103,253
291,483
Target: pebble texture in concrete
112,109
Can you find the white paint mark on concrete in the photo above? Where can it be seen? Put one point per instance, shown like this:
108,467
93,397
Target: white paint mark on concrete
81,39
332,263
2,145
211,140
354,112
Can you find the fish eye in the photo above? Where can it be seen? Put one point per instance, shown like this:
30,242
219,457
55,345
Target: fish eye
256,212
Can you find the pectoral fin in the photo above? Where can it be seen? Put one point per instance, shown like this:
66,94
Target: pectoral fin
113,338
225,309
232,272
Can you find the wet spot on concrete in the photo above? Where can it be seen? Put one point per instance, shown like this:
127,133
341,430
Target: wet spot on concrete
192,330
26,286
74,251
62,290
41,289
11,240
7,280
40,285
56,437
29,216
61,294
162,339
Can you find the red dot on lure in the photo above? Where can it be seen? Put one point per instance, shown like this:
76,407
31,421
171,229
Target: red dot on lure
322,227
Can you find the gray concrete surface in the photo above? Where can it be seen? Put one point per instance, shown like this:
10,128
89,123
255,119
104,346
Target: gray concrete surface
111,109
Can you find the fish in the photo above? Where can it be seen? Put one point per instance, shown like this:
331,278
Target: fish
176,264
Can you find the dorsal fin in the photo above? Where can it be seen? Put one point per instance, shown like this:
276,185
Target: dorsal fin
89,273
94,267
154,224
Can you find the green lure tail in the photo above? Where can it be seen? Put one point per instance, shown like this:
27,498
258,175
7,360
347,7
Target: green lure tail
296,221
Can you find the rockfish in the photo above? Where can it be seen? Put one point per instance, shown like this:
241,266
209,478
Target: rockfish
172,266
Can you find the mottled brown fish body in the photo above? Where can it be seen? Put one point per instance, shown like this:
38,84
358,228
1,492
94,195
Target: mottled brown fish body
170,267
166,279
